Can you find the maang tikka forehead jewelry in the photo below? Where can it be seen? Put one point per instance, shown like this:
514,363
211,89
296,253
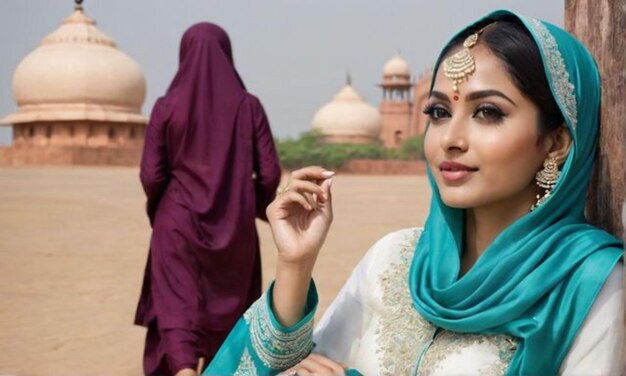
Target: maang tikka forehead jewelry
461,65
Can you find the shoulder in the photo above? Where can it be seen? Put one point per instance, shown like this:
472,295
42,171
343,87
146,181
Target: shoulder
614,282
598,346
384,273
395,241
252,104
251,100
611,295
162,106
393,248
600,268
610,300
161,113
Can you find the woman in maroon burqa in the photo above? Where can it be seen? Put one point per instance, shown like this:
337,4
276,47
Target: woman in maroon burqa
209,167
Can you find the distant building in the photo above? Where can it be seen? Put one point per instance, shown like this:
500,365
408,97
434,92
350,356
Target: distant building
79,100
348,118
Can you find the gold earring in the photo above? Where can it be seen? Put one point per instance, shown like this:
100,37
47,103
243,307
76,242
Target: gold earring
546,179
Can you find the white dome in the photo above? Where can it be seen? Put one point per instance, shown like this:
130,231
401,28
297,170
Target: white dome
348,115
397,66
77,73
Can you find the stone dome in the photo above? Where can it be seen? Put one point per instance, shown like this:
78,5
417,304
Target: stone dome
397,66
348,115
78,73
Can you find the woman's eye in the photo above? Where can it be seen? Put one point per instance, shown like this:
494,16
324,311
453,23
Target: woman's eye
436,112
490,113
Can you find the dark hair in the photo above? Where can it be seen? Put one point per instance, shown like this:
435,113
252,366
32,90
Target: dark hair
511,42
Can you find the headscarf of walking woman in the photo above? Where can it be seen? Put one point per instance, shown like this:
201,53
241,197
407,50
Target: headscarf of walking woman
202,107
205,66
206,90
538,279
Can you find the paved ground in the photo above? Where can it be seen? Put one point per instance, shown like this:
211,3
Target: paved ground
73,244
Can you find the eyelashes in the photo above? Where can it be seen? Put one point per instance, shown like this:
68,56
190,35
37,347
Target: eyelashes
489,113
485,112
435,111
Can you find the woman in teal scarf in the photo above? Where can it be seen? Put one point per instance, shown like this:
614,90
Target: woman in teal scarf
505,277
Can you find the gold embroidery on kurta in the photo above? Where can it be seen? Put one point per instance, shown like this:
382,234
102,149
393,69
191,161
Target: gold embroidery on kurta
275,348
401,332
246,365
447,344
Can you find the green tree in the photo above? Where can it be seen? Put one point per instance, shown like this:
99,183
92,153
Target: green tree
310,149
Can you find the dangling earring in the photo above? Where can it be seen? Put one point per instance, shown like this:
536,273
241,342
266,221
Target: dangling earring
546,179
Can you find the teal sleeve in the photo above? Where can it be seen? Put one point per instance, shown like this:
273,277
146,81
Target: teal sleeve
260,345
353,372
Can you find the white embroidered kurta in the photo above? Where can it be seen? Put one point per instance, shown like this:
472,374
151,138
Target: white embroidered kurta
372,326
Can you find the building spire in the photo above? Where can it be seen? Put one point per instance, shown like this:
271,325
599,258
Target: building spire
348,78
79,4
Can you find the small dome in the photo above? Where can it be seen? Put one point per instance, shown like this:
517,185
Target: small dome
77,73
397,66
348,115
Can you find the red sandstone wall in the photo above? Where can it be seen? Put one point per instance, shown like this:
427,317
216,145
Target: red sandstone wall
131,157
396,117
420,98
16,156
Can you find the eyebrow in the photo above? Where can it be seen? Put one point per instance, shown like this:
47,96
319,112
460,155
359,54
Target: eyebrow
439,95
487,93
473,96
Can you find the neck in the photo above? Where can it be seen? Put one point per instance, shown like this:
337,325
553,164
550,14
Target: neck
484,224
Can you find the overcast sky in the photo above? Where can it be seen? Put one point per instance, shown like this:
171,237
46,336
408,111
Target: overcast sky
293,54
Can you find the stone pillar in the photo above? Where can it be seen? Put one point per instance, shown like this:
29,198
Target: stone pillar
396,121
601,26
420,98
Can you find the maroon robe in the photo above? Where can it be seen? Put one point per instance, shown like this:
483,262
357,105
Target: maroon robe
209,167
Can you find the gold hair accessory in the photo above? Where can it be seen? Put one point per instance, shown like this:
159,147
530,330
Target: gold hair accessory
461,65
546,179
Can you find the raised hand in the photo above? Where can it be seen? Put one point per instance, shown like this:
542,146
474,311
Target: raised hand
301,215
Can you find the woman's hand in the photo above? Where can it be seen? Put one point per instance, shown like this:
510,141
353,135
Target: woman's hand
318,365
301,214
300,217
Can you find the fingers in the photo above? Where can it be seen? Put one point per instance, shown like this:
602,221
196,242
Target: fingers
305,201
311,183
335,367
314,173
327,208
303,186
318,365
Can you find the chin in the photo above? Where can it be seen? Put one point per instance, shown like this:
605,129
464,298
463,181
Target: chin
458,205
458,202
460,197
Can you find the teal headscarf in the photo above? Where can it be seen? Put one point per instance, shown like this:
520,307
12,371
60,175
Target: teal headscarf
538,279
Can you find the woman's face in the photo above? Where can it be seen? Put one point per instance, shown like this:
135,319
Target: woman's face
483,148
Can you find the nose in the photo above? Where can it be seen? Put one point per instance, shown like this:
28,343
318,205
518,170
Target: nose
454,137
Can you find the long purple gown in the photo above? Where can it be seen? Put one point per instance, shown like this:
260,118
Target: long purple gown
209,167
